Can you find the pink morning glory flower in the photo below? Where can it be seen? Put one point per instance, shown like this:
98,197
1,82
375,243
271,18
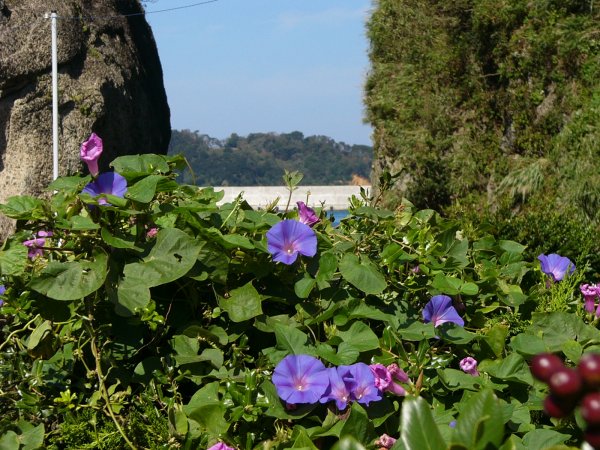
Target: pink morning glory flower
397,373
590,293
90,152
386,377
382,375
338,390
469,365
107,183
439,310
152,232
306,215
556,266
300,379
221,446
35,247
288,238
385,442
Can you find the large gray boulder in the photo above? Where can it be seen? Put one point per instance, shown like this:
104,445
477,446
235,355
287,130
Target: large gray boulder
110,82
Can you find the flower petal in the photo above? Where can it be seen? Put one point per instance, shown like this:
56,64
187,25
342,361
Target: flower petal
119,185
449,315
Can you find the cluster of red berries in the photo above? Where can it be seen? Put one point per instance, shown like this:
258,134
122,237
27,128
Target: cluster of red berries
572,386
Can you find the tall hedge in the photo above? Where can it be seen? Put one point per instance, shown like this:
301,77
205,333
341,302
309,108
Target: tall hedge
490,109
485,97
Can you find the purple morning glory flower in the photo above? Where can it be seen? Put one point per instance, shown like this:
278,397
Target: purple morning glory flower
288,238
556,266
469,365
306,215
90,152
107,183
439,310
363,382
2,291
300,379
338,390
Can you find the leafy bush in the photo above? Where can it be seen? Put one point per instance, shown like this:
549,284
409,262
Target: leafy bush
156,321
544,228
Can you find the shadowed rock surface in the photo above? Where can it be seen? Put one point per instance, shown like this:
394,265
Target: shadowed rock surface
110,82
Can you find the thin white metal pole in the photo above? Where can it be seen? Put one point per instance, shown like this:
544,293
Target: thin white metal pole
53,17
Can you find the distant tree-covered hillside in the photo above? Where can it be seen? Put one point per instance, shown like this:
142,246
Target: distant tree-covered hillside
260,159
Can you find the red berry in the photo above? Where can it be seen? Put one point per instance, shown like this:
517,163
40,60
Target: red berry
590,408
589,369
592,437
558,407
566,383
544,365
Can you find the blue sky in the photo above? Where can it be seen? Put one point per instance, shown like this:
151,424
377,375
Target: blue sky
249,66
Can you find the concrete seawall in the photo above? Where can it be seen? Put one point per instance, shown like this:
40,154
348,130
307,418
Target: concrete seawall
335,197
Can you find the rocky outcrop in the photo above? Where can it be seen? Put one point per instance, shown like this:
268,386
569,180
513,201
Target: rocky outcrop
110,82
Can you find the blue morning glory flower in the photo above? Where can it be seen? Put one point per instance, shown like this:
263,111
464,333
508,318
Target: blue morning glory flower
300,379
288,238
107,183
439,310
362,380
338,390
556,266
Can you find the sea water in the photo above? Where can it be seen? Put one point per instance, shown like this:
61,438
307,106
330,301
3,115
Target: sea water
337,215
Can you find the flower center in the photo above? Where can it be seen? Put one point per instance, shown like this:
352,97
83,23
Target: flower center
300,384
359,392
289,249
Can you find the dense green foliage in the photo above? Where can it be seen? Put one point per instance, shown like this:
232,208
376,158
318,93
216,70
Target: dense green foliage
491,106
119,338
261,158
